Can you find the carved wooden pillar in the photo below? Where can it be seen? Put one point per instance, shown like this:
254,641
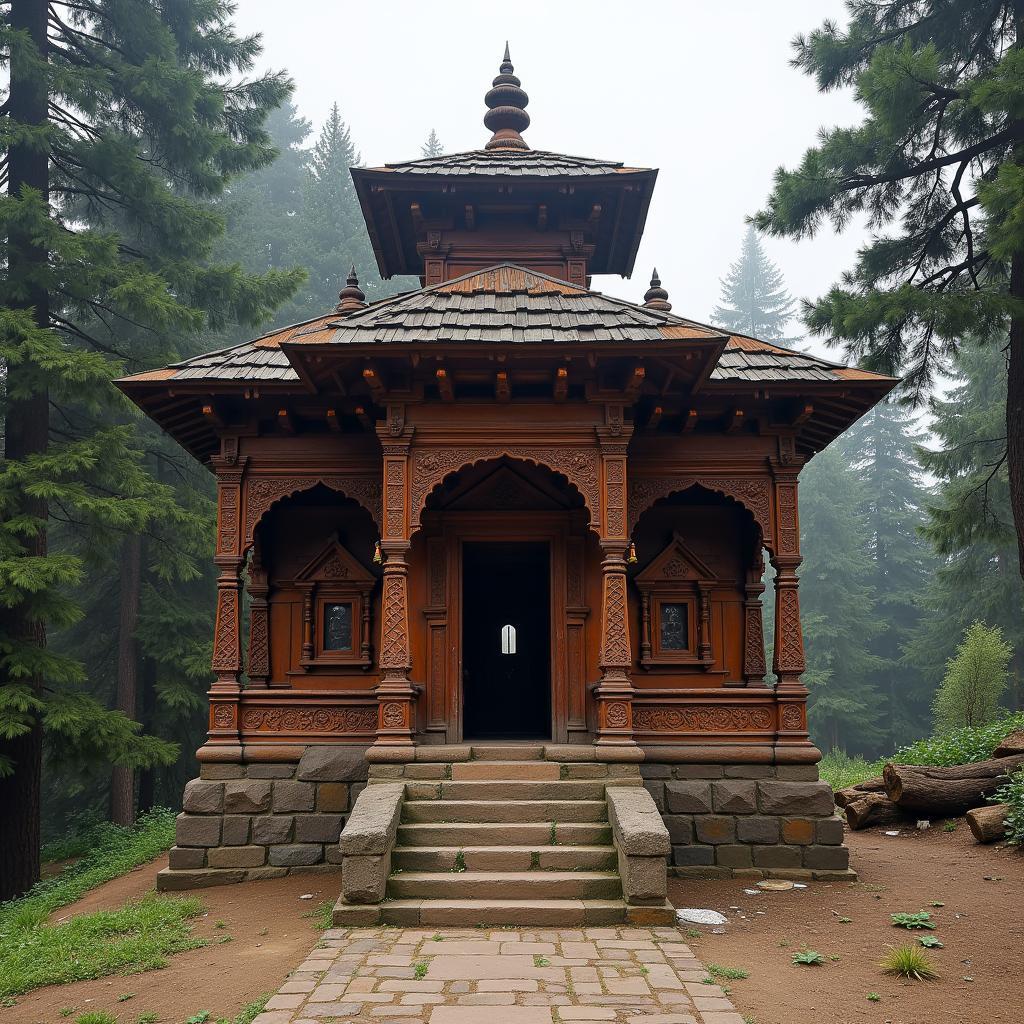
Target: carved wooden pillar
789,642
395,693
259,622
227,642
614,691
754,666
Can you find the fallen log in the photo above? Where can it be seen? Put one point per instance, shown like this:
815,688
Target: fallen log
1013,744
947,792
988,823
849,793
874,809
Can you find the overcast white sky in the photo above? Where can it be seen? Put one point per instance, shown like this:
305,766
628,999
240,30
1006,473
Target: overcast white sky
702,90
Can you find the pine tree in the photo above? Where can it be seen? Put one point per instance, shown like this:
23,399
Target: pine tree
881,451
937,168
974,681
839,619
754,296
121,121
432,147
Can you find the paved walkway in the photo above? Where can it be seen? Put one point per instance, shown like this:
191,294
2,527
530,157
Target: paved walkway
500,976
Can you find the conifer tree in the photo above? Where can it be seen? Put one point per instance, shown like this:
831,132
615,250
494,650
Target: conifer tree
937,168
121,121
432,147
754,296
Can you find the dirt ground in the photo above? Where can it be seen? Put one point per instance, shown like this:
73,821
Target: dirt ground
270,935
981,926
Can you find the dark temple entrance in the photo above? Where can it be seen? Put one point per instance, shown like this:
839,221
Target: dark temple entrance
506,641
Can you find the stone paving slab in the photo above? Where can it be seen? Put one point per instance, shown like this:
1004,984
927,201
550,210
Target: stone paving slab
621,975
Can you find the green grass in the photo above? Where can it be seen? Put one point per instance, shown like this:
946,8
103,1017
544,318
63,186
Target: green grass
908,962
420,969
729,973
840,770
136,937
323,916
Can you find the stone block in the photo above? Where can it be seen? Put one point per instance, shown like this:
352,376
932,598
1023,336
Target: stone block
373,823
333,855
237,857
795,798
777,856
657,790
827,858
272,829
197,830
584,771
644,878
688,856
184,858
715,828
731,855
318,828
203,797
386,771
697,771
257,874
655,771
733,796
688,797
797,773
680,829
332,797
339,763
271,771
296,855
829,831
235,831
636,823
756,829
294,796
750,771
214,772
798,831
623,771
202,878
364,879
247,796
426,771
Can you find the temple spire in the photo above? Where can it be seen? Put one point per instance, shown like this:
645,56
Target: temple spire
506,113
656,297
352,296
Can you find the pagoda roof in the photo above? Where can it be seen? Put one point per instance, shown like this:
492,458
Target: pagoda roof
528,163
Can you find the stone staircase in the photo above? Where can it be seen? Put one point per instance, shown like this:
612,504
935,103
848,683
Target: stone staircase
504,838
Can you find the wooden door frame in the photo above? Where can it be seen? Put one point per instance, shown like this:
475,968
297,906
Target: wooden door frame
552,528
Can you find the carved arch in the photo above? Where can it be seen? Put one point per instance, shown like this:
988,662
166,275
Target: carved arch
753,493
263,492
431,467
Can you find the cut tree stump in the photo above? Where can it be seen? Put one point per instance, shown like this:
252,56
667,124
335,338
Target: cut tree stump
947,792
988,823
848,794
1013,744
874,809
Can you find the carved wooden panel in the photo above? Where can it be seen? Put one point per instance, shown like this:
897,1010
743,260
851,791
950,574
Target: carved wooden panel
395,626
789,535
790,654
711,718
615,651
226,646
792,717
283,719
228,501
753,646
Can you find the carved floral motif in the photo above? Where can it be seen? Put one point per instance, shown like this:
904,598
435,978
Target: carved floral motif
353,719
792,717
395,634
752,493
791,642
227,519
615,651
225,636
259,643
789,538
223,716
702,718
617,715
753,651
263,492
392,716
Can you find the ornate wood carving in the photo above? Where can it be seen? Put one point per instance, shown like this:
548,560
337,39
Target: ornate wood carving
615,651
579,465
789,654
259,623
228,500
262,492
754,667
222,716
791,717
789,535
702,718
358,719
226,648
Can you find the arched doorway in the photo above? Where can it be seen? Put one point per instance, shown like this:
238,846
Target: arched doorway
502,544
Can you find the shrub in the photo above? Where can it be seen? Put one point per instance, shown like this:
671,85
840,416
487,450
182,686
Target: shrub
975,680
908,962
1012,794
960,746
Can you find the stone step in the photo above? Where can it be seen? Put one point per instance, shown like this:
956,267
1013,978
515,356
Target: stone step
534,834
507,789
494,885
494,811
472,770
505,858
507,751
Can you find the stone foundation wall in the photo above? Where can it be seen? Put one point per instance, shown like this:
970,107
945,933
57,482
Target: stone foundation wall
749,821
264,820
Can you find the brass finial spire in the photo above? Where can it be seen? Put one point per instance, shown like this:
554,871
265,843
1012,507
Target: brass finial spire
506,113
352,296
656,297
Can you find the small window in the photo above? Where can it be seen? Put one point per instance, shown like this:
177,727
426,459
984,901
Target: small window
338,627
508,639
673,627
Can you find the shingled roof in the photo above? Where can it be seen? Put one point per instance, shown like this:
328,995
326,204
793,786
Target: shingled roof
529,163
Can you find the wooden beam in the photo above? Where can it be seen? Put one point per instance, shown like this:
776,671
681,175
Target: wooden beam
655,418
333,422
803,415
561,387
542,217
213,416
470,217
690,418
734,421
634,382
285,421
502,386
444,385
363,418
373,381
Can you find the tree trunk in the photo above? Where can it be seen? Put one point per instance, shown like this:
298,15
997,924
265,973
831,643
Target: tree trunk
1015,350
122,778
27,428
988,823
1013,744
947,792
874,809
848,794
147,776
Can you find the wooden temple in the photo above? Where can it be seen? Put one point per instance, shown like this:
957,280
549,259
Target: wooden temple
506,506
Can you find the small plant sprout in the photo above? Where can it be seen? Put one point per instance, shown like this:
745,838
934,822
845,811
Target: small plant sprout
460,862
66,1011
908,962
912,922
219,924
730,973
540,961
693,933
437,937
950,826
420,970
846,920
874,997
125,996
929,941
808,957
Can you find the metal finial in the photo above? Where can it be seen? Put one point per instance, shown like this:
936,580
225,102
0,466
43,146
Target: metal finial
506,113
352,298
656,297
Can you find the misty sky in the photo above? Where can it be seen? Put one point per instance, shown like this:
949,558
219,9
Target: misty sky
701,90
